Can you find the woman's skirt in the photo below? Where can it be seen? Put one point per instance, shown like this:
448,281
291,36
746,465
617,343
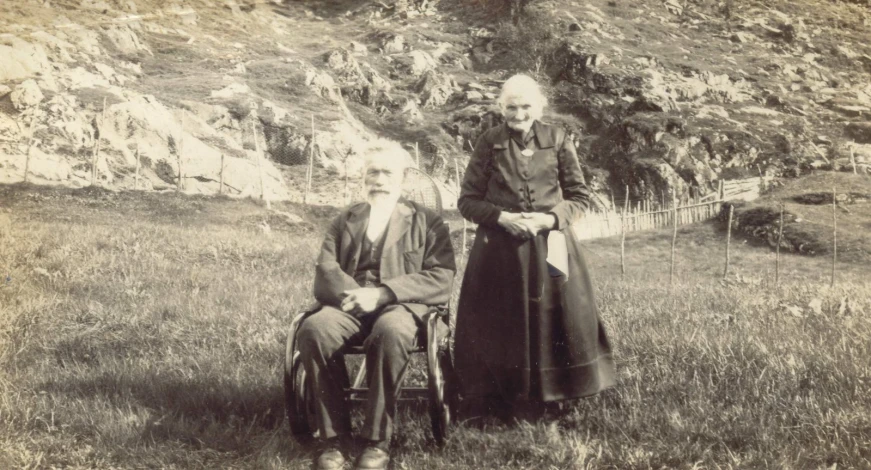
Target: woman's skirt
524,331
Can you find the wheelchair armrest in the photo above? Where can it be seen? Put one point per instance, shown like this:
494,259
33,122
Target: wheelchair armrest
291,333
441,312
312,308
435,338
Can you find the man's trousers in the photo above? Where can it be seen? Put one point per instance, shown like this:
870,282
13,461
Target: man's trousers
387,338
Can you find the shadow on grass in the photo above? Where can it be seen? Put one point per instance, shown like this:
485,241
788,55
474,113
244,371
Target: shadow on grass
205,412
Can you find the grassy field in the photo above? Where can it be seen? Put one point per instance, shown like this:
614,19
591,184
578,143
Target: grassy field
147,331
808,218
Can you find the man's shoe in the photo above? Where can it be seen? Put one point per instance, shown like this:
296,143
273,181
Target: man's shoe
373,458
330,459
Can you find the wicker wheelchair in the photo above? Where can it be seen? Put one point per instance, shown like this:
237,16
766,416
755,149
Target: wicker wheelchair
441,387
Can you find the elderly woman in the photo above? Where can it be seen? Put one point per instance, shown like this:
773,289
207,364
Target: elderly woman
527,330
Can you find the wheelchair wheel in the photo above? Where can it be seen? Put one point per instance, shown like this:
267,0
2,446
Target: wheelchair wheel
440,384
298,399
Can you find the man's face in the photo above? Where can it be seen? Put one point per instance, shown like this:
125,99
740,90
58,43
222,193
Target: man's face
383,180
521,111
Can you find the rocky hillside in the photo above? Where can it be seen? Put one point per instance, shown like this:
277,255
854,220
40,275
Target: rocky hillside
657,94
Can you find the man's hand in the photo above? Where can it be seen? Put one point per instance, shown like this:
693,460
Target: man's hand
363,301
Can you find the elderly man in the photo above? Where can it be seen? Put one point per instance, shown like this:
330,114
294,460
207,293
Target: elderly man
382,264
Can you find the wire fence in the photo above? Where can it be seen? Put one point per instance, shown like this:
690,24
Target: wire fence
437,171
649,214
318,171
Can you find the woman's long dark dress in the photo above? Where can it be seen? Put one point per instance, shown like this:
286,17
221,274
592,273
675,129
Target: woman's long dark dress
521,333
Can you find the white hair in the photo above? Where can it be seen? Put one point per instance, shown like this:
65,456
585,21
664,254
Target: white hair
521,85
385,150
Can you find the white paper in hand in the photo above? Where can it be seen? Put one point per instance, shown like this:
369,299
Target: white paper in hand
557,254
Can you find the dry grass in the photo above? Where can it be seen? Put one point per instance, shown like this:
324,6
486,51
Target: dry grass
147,332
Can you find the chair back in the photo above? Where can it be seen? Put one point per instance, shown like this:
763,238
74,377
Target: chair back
422,189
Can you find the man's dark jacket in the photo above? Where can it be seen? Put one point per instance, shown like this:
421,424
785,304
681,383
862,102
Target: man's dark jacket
417,261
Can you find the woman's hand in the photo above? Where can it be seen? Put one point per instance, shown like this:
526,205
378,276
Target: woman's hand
527,224
539,221
515,225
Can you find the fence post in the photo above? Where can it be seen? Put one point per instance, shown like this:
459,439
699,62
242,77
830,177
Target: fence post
642,207
777,251
180,150
259,164
642,222
97,144
834,234
221,177
649,216
761,181
673,240
457,179
345,194
853,159
94,157
623,235
639,217
136,177
416,155
728,242
30,146
310,168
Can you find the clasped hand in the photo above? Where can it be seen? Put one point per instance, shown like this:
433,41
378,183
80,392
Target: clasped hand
526,225
365,300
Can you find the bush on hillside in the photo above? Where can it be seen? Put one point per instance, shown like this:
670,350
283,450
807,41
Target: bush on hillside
513,9
529,44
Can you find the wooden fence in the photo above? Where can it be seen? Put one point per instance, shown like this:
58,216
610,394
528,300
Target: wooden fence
648,215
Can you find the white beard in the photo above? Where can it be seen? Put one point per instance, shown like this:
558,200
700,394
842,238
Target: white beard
380,209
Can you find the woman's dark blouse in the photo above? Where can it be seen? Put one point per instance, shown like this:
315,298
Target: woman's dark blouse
500,178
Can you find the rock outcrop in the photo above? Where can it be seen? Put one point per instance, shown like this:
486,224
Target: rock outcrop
664,96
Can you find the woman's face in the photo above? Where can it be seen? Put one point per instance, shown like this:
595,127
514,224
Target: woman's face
521,111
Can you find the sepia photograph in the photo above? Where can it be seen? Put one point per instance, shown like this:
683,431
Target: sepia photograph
435,234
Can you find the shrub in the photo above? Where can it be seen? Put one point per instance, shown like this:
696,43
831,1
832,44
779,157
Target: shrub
514,9
529,43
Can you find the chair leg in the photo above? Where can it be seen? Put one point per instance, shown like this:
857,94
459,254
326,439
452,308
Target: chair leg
439,387
360,378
